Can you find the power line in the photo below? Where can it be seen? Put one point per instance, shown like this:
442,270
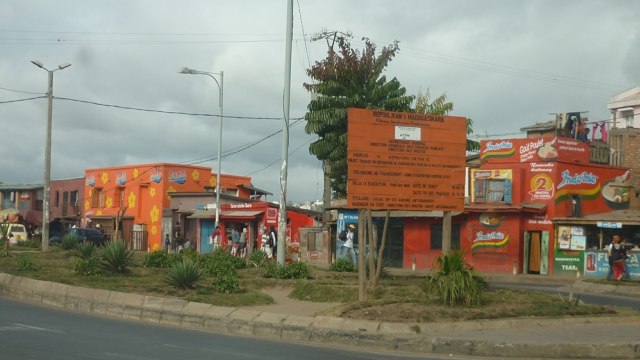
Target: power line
168,112
19,100
22,91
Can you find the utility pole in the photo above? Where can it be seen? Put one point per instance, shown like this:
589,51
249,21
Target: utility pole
282,219
47,155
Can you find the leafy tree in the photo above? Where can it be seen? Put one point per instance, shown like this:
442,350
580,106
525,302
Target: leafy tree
440,106
348,78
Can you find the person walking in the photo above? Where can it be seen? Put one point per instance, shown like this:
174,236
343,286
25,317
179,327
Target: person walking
617,257
215,238
273,241
167,242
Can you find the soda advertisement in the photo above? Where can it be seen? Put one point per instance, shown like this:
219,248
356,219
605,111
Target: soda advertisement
596,264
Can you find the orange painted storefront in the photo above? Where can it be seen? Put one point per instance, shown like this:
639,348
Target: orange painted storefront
143,190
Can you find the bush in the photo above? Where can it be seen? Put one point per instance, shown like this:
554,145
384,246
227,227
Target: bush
258,259
32,244
215,262
26,263
85,250
69,241
87,266
159,259
294,270
343,265
455,282
191,254
184,274
226,280
116,258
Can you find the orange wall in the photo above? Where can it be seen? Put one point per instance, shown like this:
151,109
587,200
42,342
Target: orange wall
145,188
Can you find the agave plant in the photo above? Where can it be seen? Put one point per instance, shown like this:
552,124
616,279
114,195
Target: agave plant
454,281
116,258
185,274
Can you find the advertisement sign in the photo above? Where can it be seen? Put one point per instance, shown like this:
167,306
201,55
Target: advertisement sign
534,150
493,241
405,161
596,264
567,262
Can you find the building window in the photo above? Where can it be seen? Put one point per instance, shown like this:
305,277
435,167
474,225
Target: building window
118,197
490,190
97,198
436,237
57,199
73,198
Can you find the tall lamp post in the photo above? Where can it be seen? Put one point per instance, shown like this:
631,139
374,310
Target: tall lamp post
47,155
220,84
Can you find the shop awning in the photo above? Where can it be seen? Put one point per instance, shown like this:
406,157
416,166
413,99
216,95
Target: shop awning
240,215
625,217
202,214
235,215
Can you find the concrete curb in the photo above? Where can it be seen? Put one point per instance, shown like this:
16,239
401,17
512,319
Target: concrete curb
436,338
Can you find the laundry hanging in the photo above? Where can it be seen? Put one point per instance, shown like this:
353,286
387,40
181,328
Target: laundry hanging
602,125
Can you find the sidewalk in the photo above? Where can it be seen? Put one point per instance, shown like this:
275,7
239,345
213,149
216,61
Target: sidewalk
571,338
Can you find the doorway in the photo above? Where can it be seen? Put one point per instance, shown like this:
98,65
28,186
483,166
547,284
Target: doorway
536,252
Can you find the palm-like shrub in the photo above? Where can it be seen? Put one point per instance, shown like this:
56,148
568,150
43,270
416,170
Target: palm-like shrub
116,258
185,274
85,250
454,282
69,241
258,259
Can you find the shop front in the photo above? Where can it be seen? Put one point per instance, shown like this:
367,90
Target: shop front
582,246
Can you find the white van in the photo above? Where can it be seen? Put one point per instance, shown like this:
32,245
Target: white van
19,231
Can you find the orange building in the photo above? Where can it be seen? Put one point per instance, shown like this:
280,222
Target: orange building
138,195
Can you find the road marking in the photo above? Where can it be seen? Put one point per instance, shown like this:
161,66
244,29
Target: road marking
25,327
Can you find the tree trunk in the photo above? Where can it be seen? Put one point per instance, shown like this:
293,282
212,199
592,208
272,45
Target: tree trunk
362,276
371,251
381,250
446,232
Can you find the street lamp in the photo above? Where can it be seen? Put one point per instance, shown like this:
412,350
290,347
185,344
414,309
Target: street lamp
47,155
220,84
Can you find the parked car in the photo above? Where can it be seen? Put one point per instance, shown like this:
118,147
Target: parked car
83,234
19,231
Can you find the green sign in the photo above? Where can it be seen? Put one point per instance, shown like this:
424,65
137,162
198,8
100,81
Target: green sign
567,262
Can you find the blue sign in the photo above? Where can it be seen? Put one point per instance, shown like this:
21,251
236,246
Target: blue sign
596,264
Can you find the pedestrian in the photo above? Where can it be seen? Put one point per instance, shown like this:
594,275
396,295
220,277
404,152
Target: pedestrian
264,243
617,257
626,245
12,240
348,244
215,238
273,240
243,243
167,242
235,241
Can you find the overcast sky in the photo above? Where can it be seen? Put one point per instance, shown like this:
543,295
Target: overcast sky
505,64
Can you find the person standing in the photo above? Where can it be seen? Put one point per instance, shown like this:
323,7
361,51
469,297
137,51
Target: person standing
348,244
235,241
264,243
243,243
167,242
273,241
215,238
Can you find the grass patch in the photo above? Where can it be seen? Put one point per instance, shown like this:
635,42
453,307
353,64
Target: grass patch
397,298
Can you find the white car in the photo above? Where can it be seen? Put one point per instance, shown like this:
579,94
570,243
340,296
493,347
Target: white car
18,231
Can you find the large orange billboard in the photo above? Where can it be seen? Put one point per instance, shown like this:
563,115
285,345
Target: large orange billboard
405,161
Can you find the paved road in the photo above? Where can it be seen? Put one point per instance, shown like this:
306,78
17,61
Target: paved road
588,298
35,332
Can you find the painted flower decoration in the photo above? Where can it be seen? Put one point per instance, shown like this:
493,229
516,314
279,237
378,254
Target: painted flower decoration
105,177
152,192
212,181
135,173
154,230
99,213
132,200
155,213
87,205
170,190
109,202
195,175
